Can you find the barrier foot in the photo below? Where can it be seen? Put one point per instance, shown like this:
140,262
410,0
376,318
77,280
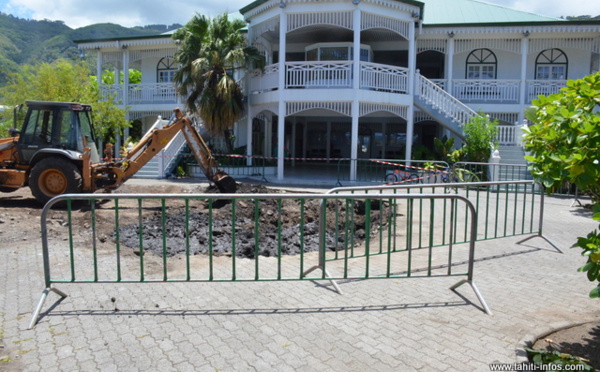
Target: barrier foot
327,275
477,293
543,237
38,309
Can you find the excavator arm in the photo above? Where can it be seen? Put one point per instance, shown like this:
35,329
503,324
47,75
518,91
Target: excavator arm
111,174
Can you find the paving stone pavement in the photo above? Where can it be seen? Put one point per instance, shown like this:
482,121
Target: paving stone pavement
377,325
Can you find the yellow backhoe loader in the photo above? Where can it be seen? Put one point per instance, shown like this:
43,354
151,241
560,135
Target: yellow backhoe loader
55,153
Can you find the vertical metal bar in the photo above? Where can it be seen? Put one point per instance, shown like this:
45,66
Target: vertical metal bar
444,223
94,247
451,232
210,241
302,216
431,226
71,246
141,239
163,221
487,212
421,221
497,211
256,240
323,247
346,240
188,275
524,208
515,210
367,235
533,207
337,231
118,239
466,217
390,218
409,217
279,240
233,250
506,211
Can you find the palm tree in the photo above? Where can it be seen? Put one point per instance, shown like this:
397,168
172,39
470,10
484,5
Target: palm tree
211,51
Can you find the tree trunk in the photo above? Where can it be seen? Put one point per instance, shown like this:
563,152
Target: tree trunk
228,140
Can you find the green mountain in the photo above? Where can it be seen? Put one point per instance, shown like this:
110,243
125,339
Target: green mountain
24,41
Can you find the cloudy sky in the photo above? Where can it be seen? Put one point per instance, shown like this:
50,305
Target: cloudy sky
79,13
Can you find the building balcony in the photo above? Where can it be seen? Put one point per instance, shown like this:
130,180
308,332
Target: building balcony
140,94
331,74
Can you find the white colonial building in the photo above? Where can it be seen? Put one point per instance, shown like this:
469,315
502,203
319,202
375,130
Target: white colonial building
371,79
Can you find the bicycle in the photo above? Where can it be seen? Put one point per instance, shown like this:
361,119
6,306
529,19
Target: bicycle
398,176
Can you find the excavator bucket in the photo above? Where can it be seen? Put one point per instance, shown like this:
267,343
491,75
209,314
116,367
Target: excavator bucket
225,183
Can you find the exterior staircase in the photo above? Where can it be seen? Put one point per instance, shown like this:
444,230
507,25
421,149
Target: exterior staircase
513,165
442,106
164,162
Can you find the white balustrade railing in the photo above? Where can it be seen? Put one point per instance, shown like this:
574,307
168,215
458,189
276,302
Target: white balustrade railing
507,134
318,74
433,95
383,77
486,90
265,80
152,93
113,91
543,87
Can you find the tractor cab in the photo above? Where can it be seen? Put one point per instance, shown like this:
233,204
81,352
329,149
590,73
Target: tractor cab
51,127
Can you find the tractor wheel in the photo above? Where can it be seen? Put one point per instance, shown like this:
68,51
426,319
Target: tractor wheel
54,176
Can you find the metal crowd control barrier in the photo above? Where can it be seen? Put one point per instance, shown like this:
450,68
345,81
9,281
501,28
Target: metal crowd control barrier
145,238
503,209
379,170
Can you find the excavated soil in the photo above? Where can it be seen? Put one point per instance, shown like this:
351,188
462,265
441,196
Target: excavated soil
278,222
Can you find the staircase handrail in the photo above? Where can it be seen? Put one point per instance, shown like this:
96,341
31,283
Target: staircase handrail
429,92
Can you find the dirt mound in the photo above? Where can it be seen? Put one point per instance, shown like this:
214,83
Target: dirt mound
253,227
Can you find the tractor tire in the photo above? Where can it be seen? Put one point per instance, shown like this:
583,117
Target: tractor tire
52,177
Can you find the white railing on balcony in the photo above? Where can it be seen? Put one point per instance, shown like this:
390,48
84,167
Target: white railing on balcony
383,77
265,80
325,74
507,134
486,90
543,87
152,93
113,91
435,96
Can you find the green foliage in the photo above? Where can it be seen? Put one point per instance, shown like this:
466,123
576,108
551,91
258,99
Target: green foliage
422,152
443,147
211,51
62,81
564,143
557,359
24,41
480,136
135,77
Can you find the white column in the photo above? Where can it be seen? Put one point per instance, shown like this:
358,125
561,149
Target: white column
249,136
99,67
354,140
125,77
412,67
356,54
280,140
281,109
449,64
523,89
293,147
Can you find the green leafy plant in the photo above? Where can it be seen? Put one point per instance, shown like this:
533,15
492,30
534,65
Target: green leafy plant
564,145
443,147
480,135
557,359
591,250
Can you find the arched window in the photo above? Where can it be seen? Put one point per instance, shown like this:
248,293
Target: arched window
481,64
551,64
165,70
